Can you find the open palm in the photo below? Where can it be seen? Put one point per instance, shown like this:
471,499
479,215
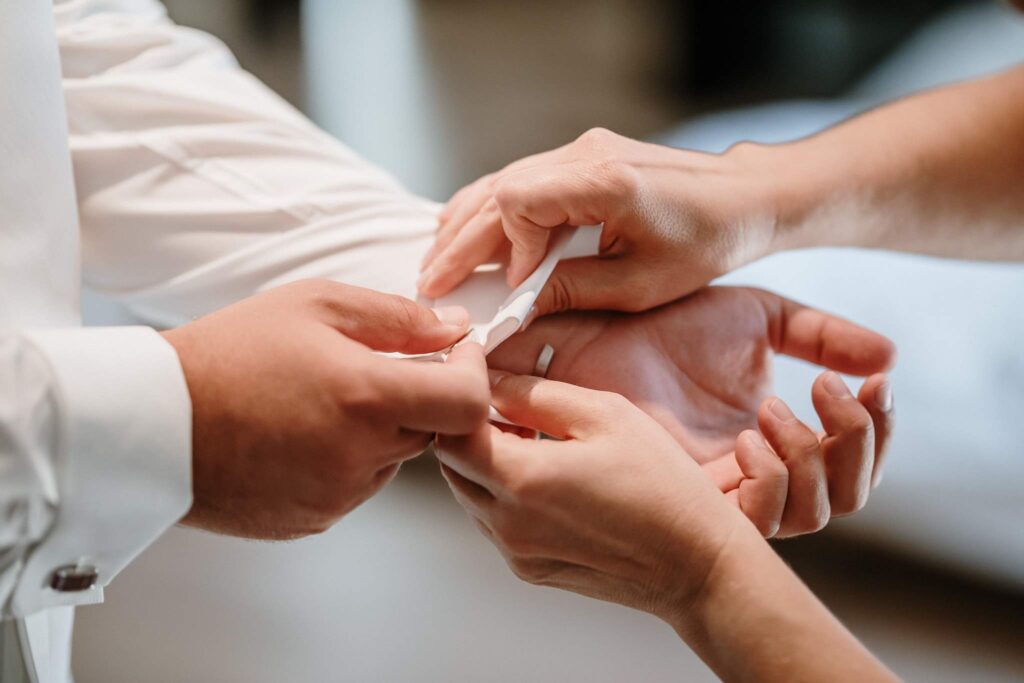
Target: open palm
701,366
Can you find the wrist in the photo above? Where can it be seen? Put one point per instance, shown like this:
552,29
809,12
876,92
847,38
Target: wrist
784,195
740,553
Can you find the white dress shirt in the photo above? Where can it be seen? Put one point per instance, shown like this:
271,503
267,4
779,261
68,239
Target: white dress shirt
196,186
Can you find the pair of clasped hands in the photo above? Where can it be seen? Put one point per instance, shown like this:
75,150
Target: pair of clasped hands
668,444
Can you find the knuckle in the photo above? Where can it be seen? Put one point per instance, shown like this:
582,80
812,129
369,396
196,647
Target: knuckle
810,521
741,149
819,520
405,317
618,179
861,425
596,139
535,570
316,290
561,294
803,444
524,570
849,502
507,191
767,526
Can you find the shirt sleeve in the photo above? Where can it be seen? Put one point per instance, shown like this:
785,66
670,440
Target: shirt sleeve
81,489
199,186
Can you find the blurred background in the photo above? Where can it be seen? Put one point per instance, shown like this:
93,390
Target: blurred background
930,576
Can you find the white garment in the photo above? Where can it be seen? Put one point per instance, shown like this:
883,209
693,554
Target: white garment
196,187
94,424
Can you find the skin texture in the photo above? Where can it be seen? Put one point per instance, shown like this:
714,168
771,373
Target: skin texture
938,173
616,510
702,368
296,420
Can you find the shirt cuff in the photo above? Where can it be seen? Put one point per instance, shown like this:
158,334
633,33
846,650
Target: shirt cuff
123,459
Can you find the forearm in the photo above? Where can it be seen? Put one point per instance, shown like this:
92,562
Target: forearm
755,621
938,173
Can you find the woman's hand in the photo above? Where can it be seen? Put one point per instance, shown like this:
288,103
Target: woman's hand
702,368
616,511
673,221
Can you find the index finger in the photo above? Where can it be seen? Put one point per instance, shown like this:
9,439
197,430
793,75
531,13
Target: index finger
823,339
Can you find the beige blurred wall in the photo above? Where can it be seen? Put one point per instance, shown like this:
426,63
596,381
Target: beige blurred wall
442,91
268,48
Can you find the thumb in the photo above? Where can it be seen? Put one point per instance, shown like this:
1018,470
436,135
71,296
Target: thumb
564,411
386,322
591,283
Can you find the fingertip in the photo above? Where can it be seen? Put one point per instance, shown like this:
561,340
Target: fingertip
832,385
750,440
876,394
888,354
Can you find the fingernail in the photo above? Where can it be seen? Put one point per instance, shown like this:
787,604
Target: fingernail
781,411
495,377
453,316
835,386
883,396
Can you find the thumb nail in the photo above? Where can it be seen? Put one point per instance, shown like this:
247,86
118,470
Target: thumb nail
453,316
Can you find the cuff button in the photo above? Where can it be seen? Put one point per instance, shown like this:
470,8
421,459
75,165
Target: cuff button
73,578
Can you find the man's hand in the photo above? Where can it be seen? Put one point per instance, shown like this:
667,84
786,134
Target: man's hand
673,221
702,367
296,420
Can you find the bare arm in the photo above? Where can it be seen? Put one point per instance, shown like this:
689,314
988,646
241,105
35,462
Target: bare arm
756,621
939,173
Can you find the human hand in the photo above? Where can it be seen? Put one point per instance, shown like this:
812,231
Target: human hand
673,220
702,367
616,511
296,420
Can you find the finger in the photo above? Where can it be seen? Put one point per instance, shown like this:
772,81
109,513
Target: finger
724,472
876,396
450,225
487,456
561,410
406,444
474,245
817,337
848,446
477,500
535,200
807,505
763,490
449,398
385,322
459,199
592,283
